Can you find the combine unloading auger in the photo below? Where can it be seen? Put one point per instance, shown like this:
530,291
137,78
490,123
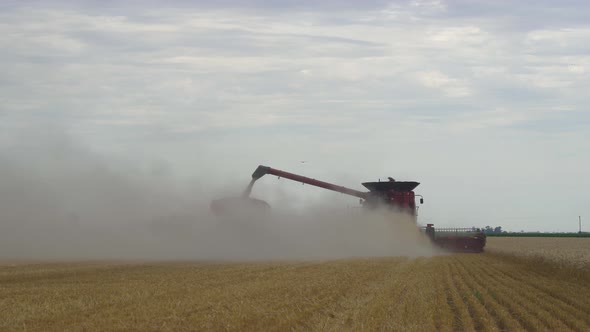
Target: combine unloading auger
395,195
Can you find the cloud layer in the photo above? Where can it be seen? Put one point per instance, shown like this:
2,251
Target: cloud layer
484,103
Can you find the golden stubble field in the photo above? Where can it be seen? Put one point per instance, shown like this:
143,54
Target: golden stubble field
562,251
488,292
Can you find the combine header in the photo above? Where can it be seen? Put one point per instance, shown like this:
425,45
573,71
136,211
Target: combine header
392,194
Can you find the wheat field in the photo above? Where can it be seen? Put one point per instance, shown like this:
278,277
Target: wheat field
558,250
493,291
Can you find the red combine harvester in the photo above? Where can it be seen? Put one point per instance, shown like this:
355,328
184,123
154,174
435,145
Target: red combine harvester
397,195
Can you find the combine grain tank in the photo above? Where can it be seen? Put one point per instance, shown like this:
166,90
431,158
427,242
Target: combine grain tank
392,194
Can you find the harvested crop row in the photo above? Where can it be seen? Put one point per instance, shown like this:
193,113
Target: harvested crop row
544,295
523,306
494,306
485,292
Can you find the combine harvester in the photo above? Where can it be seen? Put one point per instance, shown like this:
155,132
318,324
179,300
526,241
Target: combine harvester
395,195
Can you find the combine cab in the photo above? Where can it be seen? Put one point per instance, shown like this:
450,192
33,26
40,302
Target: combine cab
392,194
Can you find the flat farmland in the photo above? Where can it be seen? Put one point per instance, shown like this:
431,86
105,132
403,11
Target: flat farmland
487,292
558,250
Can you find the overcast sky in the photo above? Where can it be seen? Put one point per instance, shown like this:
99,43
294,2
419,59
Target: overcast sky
483,102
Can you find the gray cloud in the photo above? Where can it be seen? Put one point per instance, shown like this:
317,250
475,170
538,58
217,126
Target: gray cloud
452,94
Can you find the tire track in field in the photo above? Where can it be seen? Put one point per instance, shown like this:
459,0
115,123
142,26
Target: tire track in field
482,321
535,302
489,300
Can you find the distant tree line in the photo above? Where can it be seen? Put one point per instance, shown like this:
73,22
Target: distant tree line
538,234
497,231
490,229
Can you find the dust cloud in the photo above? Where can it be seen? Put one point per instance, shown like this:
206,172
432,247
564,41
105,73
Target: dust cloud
60,201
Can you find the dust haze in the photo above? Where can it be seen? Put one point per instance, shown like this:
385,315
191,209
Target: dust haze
61,201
